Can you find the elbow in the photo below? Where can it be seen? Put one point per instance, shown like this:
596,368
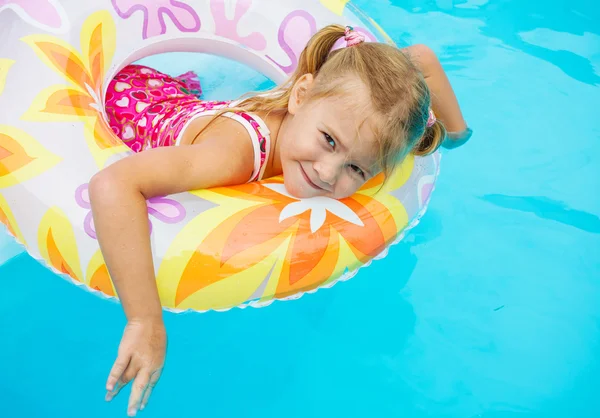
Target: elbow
99,183
103,185
111,186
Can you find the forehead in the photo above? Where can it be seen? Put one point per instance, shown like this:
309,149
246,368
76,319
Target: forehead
352,118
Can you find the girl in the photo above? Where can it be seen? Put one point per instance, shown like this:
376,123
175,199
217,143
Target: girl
343,117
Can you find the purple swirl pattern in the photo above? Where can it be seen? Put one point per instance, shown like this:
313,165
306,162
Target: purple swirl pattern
164,209
181,14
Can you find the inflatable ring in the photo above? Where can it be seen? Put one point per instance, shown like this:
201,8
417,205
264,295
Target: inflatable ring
213,249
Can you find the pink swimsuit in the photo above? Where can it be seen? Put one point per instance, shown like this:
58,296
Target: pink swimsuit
149,109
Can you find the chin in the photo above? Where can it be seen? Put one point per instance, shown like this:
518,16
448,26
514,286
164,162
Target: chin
296,190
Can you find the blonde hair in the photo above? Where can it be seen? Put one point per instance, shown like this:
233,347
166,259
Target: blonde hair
399,95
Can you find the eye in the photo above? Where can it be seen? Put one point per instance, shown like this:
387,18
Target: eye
329,140
357,170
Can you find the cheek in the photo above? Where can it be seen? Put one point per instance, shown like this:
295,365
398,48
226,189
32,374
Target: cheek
346,187
303,146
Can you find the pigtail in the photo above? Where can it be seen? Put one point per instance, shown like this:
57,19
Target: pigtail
431,140
311,60
317,50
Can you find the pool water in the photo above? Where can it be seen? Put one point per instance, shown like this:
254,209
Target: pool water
489,308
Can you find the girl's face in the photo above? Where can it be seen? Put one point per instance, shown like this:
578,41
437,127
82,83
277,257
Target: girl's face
327,146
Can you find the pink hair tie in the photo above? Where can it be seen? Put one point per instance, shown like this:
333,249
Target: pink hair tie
353,38
431,119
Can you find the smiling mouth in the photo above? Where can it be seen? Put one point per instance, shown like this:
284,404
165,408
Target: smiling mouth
308,180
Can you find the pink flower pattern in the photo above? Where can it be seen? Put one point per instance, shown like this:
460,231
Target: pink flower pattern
228,28
44,14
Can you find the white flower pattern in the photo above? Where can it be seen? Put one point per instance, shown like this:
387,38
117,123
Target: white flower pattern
318,206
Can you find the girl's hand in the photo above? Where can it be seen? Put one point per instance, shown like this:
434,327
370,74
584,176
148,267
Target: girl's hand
140,359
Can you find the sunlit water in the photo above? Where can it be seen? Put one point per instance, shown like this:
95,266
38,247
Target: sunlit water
489,308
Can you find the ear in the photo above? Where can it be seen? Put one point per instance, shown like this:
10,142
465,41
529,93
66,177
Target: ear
299,92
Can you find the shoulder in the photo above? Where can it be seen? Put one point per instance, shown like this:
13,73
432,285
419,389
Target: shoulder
421,55
222,139
205,127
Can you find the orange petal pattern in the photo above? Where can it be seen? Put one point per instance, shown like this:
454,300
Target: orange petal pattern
57,245
249,236
66,62
21,157
98,277
70,102
12,155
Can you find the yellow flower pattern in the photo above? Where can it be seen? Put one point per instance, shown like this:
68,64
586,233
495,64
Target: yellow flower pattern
21,157
5,65
56,241
8,219
85,71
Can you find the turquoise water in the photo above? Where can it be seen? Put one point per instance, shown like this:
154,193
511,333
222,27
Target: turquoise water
489,308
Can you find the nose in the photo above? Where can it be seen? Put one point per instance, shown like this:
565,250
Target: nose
328,171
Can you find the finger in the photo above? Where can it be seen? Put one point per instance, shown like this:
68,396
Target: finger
154,377
140,384
117,371
116,389
129,373
146,397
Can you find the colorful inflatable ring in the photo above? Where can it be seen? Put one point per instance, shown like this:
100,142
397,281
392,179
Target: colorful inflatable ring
213,249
